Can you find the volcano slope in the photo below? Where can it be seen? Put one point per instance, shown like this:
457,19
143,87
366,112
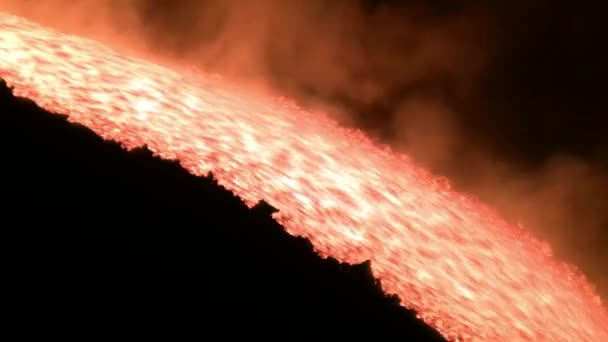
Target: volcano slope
102,238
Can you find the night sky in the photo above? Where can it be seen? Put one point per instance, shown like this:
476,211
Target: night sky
505,99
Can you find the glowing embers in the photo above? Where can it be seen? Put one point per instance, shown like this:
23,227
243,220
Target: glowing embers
467,272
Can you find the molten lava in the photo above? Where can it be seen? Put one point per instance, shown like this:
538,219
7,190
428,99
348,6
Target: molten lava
468,273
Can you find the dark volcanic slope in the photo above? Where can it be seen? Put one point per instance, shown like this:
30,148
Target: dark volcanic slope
103,237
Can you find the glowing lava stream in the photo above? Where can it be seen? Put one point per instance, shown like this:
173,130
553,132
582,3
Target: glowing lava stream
466,271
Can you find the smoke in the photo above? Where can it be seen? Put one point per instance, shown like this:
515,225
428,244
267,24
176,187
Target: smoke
412,73
357,54
111,21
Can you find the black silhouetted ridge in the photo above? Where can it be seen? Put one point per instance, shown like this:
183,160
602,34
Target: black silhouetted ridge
98,236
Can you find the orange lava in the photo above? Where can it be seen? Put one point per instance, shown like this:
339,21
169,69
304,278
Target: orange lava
468,273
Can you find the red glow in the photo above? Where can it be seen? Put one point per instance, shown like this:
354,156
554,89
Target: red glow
466,271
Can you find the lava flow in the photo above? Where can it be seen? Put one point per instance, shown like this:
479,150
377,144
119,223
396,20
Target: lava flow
469,273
